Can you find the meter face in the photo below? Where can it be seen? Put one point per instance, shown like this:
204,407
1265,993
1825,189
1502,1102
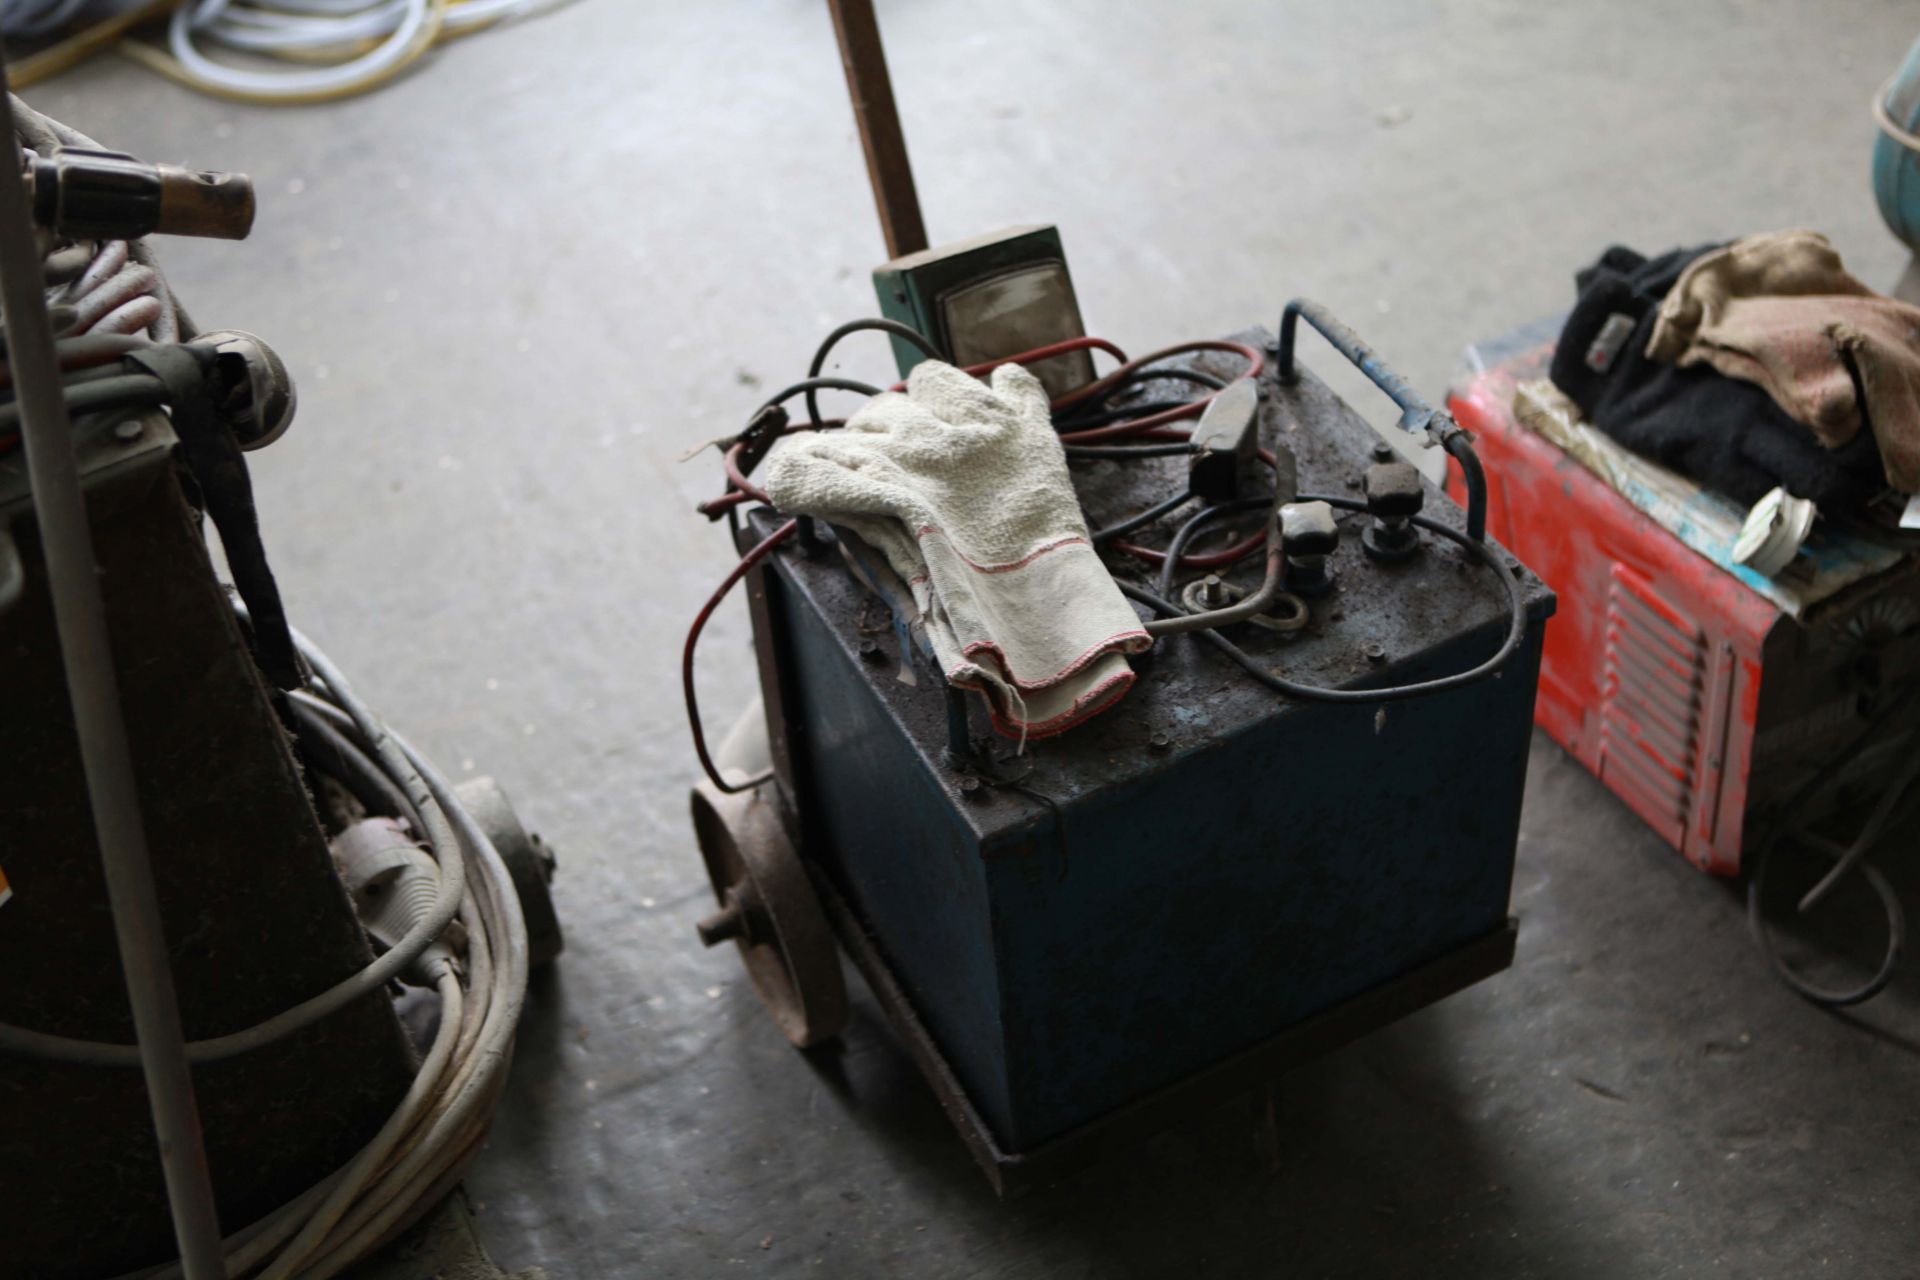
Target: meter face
1030,306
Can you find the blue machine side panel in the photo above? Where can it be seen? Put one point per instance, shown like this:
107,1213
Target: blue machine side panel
1366,846
886,829
1133,911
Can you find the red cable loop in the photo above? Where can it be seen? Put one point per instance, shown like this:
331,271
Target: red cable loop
1212,559
760,552
1256,362
1038,354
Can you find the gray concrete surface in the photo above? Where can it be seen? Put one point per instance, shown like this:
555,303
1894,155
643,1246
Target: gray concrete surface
518,284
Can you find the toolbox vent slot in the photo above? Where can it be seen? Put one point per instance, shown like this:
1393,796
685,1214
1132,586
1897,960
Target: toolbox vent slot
1651,702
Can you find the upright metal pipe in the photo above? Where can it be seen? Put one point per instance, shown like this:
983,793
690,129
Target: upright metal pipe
880,136
85,648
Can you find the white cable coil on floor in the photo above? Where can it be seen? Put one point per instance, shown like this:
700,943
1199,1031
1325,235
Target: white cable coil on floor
313,31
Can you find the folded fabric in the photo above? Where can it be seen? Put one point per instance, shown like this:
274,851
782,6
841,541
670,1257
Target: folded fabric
1728,435
1780,311
963,487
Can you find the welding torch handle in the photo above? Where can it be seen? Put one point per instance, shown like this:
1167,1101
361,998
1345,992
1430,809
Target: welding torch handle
1416,415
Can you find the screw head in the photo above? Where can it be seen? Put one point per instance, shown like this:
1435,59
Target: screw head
1382,452
1374,651
870,651
1159,743
971,788
129,431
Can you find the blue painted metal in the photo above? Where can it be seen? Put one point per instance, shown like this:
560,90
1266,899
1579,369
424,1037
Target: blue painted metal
1416,414
1128,913
1896,167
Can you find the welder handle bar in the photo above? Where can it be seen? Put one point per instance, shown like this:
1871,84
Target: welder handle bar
1416,415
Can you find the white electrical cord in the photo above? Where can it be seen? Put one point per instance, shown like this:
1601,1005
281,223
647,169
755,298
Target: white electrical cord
425,1146
336,33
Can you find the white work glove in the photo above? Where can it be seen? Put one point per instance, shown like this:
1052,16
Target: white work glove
964,488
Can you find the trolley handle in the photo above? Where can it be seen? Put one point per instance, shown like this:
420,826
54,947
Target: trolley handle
1416,415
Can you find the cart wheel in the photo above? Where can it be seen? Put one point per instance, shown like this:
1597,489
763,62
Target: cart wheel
769,909
529,861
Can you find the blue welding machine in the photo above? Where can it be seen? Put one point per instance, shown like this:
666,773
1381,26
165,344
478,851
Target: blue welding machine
1082,938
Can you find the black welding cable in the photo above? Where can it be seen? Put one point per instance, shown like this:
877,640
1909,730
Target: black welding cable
1460,446
1158,373
905,332
1185,534
1128,452
1101,410
811,385
1516,630
121,391
1074,421
1762,858
1141,520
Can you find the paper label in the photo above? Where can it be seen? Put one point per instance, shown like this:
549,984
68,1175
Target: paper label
1605,348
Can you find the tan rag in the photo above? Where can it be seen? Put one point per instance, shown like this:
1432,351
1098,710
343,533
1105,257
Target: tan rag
1780,310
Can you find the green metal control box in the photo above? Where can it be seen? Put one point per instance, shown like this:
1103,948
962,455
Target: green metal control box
987,297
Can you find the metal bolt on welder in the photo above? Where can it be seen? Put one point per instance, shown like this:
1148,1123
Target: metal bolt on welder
1394,498
1310,535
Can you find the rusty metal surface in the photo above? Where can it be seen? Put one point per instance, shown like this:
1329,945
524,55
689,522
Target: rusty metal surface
1186,691
767,909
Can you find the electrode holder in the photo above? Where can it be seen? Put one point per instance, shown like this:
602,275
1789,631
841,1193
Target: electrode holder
86,194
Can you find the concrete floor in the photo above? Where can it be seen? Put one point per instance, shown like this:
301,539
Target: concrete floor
517,285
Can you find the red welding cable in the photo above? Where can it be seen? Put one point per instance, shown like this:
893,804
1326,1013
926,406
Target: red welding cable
739,571
1192,409
713,508
1212,559
1035,356
738,478
743,490
1068,347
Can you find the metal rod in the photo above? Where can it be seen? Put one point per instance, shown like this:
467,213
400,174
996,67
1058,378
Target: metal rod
1416,415
86,651
1353,347
873,110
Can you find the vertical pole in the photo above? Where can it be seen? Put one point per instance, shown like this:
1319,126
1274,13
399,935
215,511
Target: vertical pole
873,110
80,616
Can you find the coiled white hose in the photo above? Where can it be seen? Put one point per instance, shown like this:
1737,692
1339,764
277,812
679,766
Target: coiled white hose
361,44
426,1144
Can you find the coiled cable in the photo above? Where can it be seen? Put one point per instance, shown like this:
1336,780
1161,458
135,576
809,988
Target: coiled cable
428,1141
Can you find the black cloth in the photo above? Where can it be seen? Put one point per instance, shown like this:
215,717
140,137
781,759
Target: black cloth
1727,434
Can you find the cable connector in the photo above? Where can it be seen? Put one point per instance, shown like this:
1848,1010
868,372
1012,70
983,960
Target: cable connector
393,884
86,194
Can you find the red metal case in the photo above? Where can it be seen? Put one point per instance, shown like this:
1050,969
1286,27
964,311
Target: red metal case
1695,698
